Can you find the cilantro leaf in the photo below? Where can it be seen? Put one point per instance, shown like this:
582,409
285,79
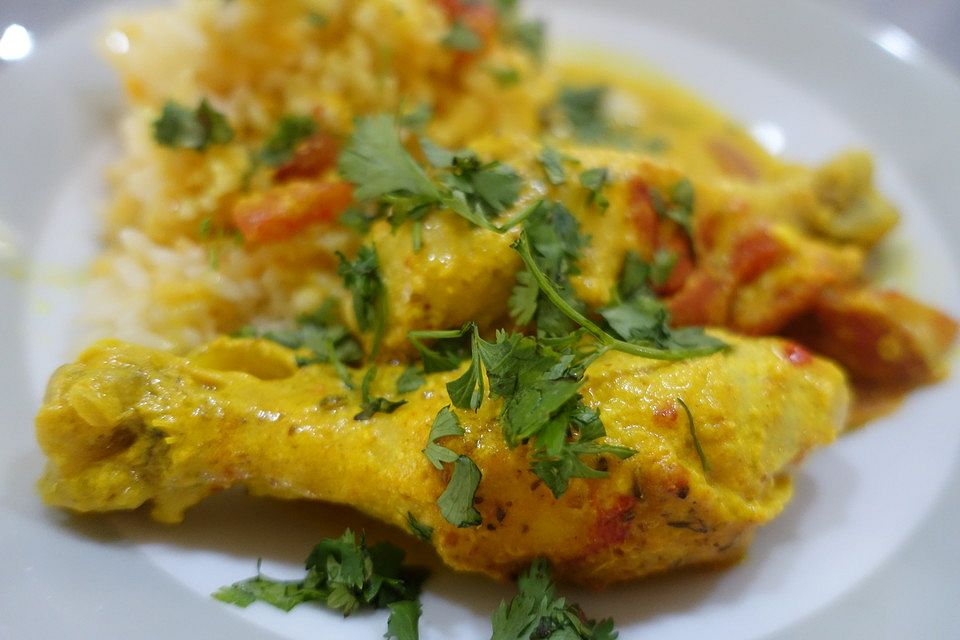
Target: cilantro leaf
183,128
583,108
410,380
552,162
447,352
291,130
342,573
466,392
456,501
378,164
318,337
680,206
486,188
362,279
555,235
537,612
462,38
444,425
372,405
404,620
594,180
649,335
663,263
419,529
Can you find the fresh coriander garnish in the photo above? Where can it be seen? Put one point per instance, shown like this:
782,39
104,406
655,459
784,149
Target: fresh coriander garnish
528,34
362,279
445,425
663,263
680,206
410,380
342,573
552,162
386,174
419,529
291,130
537,612
462,38
376,162
594,180
404,620
318,337
456,501
644,324
555,235
447,351
693,435
583,108
505,76
370,405
184,128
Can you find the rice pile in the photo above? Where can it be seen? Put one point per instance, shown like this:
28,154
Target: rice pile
160,280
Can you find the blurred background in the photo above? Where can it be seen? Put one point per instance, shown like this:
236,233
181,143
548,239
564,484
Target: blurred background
934,24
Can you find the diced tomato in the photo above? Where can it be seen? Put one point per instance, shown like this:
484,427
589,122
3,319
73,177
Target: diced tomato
312,158
285,210
704,300
674,239
753,253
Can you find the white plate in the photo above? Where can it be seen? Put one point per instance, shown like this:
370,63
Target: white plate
869,545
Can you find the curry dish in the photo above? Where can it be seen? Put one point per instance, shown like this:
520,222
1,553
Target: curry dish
391,243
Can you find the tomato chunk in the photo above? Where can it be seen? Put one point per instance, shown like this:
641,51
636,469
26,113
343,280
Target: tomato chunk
285,210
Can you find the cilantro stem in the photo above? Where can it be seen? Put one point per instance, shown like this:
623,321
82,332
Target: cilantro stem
608,342
693,434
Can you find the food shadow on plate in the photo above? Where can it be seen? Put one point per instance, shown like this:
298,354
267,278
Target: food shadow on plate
282,532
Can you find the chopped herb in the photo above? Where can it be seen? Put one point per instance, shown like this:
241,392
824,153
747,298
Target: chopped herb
663,263
594,180
505,76
357,219
342,573
182,128
369,405
291,130
537,612
462,38
583,108
642,323
378,164
410,380
557,241
417,118
317,19
552,162
489,188
319,337
417,528
446,424
404,620
466,392
530,34
447,352
384,172
680,208
362,279
693,435
456,501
